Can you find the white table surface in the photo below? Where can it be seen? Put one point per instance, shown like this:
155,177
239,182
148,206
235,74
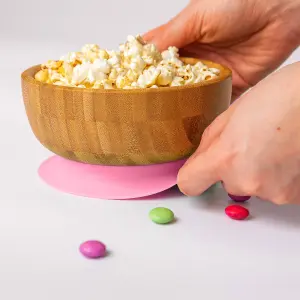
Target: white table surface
205,255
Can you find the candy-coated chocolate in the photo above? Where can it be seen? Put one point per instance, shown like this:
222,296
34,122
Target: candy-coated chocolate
237,212
161,215
93,249
239,198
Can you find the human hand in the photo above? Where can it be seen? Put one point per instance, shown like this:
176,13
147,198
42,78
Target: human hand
254,146
252,37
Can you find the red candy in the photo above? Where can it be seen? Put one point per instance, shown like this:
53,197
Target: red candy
239,198
237,212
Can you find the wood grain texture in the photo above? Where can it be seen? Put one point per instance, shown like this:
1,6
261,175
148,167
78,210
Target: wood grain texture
124,127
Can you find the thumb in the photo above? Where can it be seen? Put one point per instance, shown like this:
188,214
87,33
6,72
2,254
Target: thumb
179,31
213,131
202,172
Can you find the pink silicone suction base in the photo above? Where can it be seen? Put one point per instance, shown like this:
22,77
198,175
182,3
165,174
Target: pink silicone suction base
108,182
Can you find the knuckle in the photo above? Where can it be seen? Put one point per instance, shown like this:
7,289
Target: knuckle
231,189
251,186
244,185
282,198
246,179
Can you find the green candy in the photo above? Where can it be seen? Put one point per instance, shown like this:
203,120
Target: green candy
161,215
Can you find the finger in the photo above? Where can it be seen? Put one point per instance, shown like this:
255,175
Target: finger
201,170
179,31
232,188
213,131
201,173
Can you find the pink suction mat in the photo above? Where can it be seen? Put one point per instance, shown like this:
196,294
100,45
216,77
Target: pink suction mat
108,182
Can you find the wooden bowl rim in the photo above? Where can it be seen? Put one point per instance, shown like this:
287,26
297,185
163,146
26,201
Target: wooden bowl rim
225,74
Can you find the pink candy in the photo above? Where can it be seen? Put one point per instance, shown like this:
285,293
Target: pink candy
92,249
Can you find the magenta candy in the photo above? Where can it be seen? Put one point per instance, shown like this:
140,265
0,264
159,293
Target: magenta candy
237,212
92,249
239,198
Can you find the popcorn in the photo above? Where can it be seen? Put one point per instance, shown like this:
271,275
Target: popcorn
94,76
128,87
177,81
80,73
104,84
52,64
122,81
107,84
187,73
169,54
191,78
208,75
214,70
122,47
131,39
66,70
73,58
132,75
134,85
151,55
114,61
60,83
102,54
136,65
148,78
55,76
90,47
91,56
113,75
165,77
102,65
132,48
42,75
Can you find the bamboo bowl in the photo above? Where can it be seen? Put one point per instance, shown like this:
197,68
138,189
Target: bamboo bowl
124,127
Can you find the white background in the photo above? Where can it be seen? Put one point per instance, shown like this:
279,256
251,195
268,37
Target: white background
204,255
